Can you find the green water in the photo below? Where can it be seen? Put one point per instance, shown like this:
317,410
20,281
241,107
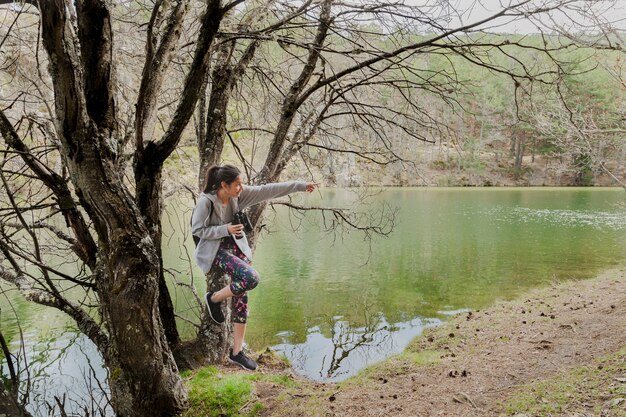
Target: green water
334,302
452,249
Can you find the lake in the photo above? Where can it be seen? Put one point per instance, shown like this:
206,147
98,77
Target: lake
335,302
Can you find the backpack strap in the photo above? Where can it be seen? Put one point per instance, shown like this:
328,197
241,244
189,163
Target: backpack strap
210,207
196,239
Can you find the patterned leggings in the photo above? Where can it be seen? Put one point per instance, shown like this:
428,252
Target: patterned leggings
243,277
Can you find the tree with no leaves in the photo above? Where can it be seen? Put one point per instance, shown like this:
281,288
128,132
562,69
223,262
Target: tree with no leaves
95,110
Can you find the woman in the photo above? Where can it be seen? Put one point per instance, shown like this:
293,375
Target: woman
224,245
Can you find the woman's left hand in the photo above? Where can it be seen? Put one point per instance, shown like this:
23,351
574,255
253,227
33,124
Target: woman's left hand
312,186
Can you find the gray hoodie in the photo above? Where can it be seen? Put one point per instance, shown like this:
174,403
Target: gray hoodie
212,230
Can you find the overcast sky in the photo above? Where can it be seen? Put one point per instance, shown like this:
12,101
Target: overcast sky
475,10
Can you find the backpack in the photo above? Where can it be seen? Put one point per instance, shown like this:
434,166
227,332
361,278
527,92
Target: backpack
196,239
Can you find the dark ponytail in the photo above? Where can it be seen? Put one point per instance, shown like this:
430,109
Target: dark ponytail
215,175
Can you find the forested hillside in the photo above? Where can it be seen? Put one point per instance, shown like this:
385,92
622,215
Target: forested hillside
491,131
468,126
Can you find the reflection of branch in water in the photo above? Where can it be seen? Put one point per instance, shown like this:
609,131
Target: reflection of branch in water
342,347
56,389
298,356
348,340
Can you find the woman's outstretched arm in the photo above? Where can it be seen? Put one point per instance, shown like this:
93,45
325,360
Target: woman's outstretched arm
254,194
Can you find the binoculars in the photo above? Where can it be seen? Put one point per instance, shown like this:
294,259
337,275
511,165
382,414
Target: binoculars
242,218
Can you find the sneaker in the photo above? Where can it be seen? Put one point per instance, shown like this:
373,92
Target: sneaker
242,360
215,311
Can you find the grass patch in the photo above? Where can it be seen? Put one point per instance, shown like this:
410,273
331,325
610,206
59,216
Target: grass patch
214,394
283,380
211,394
589,389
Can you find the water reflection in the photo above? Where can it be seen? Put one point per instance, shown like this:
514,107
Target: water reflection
65,370
349,348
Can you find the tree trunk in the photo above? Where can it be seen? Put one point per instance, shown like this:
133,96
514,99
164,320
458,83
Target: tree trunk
513,143
519,153
272,167
224,78
9,406
143,376
148,175
210,146
213,340
200,128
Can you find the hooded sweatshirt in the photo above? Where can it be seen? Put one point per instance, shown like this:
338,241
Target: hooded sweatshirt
212,229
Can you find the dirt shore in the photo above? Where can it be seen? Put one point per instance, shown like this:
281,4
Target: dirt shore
558,351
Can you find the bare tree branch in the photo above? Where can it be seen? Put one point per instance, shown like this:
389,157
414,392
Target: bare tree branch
85,246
